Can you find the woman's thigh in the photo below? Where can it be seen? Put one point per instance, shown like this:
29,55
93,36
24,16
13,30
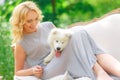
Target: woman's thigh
109,63
26,78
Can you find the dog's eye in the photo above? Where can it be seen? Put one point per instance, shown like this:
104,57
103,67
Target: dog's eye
56,40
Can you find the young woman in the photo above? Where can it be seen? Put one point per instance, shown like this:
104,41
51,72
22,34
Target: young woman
82,57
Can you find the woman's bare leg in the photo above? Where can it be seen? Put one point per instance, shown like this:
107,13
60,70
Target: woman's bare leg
100,73
109,64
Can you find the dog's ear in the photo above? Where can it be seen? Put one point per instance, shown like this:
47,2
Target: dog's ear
68,34
54,31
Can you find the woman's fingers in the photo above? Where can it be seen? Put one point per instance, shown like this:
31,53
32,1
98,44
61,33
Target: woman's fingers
38,70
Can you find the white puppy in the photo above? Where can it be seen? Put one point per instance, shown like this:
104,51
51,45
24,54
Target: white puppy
57,39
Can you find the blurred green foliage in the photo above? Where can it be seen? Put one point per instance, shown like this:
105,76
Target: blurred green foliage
6,56
61,12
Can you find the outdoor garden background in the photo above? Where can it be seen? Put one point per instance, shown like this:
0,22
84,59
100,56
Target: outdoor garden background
61,12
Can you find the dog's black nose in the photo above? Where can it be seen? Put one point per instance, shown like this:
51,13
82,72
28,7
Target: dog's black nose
58,48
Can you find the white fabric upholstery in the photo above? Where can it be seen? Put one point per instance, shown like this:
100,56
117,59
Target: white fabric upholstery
106,32
25,78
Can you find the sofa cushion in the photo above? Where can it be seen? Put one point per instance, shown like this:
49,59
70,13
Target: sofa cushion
106,32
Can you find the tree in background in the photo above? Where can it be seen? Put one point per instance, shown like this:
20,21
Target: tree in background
66,12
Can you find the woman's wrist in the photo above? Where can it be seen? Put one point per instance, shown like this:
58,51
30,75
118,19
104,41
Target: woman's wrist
32,71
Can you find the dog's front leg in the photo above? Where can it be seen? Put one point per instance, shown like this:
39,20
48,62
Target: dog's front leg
49,57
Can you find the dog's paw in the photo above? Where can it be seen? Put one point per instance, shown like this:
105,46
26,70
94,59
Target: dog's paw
46,61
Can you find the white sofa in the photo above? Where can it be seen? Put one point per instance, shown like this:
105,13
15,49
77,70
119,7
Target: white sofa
106,32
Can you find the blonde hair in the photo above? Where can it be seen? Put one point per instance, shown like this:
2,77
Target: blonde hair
17,19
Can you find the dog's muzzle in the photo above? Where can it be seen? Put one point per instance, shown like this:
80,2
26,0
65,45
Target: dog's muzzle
58,52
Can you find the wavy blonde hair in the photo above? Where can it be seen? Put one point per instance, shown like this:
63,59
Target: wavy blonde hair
17,19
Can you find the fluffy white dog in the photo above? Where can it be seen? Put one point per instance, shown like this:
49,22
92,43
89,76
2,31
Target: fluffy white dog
66,76
57,39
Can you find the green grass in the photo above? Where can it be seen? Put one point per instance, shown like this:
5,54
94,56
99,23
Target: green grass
6,55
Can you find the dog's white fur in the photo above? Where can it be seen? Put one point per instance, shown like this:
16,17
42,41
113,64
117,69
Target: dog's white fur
66,76
57,39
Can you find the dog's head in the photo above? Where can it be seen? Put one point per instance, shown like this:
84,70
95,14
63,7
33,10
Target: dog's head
59,38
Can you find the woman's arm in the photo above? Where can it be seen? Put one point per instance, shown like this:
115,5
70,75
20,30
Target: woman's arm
19,57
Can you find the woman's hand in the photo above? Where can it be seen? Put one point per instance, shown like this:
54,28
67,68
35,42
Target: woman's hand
37,71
